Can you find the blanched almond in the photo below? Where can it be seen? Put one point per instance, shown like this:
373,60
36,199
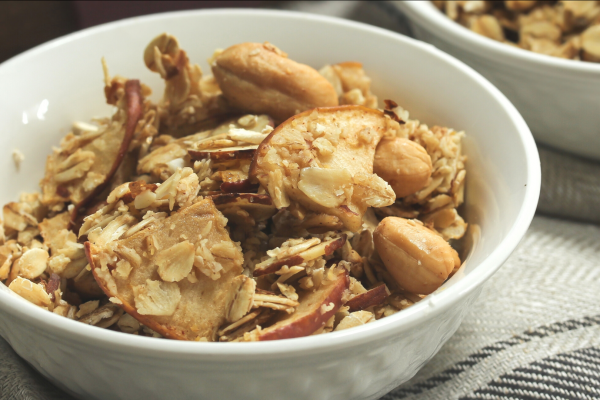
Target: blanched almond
417,258
404,164
259,78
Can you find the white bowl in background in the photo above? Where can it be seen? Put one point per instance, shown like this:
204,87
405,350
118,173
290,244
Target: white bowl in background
48,87
559,99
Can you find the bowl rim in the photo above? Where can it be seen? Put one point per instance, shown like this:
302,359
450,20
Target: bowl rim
431,307
433,19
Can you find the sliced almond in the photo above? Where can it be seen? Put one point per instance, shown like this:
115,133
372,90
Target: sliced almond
30,291
273,264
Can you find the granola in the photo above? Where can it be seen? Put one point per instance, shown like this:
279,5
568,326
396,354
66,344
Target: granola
198,218
565,29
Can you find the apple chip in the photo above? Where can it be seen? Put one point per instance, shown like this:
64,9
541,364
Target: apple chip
175,277
314,310
297,164
85,163
373,297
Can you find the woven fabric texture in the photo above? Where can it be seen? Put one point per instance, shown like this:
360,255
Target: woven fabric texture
534,332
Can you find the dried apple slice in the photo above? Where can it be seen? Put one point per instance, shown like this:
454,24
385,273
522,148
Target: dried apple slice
368,299
177,276
86,163
323,160
299,254
314,310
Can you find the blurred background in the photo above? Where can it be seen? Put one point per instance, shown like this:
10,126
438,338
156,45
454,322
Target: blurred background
26,24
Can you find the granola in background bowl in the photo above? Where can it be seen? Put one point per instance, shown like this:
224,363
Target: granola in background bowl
565,29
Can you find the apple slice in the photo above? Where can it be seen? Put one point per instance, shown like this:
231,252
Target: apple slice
177,276
368,299
318,249
314,310
323,158
87,163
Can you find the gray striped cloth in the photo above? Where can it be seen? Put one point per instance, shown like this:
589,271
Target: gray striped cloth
534,333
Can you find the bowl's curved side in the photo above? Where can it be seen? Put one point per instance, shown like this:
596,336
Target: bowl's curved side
557,98
367,371
502,195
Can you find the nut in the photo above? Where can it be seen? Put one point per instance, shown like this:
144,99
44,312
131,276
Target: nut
30,291
32,263
356,318
417,258
404,164
259,78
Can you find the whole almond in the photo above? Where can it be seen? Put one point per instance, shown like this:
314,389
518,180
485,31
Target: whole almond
402,163
259,78
418,259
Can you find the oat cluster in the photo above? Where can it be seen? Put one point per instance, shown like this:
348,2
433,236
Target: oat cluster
565,29
265,201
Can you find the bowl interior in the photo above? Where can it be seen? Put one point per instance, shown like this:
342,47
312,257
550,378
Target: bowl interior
47,88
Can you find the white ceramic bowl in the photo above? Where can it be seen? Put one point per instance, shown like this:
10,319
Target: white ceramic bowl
558,98
46,88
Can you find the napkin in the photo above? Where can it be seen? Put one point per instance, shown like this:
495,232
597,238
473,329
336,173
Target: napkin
534,333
